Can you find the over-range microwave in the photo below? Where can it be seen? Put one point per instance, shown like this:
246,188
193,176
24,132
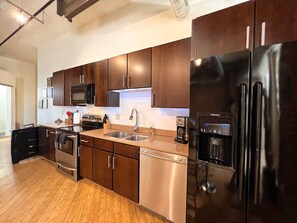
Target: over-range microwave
82,94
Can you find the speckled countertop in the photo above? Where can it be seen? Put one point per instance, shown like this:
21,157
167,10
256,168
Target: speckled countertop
55,126
156,142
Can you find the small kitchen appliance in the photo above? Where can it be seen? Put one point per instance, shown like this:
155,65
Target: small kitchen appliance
182,129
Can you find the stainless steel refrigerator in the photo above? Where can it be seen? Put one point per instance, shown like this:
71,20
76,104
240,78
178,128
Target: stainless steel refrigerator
242,163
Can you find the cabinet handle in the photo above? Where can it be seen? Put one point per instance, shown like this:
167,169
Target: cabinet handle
70,99
113,162
85,141
108,161
153,99
52,132
83,78
247,41
263,33
46,133
61,101
80,79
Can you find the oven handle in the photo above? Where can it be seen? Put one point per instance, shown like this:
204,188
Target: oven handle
65,167
72,137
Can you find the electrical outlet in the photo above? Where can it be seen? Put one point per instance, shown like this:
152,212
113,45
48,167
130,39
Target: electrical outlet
117,116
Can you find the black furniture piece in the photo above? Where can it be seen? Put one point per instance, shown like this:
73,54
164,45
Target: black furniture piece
24,144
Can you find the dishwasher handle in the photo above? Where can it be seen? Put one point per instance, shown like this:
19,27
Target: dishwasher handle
164,156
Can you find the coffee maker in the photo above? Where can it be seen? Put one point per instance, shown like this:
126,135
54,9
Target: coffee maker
182,129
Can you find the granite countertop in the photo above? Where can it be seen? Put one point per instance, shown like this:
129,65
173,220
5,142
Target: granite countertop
55,126
156,142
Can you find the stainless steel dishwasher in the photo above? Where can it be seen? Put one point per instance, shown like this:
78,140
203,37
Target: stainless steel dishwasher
163,181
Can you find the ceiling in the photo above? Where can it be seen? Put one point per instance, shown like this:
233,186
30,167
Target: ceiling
23,45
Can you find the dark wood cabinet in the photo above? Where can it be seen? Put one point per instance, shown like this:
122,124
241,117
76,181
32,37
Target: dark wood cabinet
102,96
58,88
117,72
224,31
86,162
72,77
87,73
43,142
47,143
51,144
171,74
276,21
102,168
126,177
139,69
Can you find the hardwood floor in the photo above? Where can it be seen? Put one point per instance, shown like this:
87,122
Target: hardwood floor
33,191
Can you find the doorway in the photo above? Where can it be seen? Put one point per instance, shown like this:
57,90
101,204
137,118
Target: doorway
6,110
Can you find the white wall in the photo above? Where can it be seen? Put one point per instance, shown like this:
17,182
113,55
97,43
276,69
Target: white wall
22,76
107,38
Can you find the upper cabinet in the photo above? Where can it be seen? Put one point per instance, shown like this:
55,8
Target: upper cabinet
102,96
232,29
171,74
72,77
139,69
117,72
130,71
58,88
276,21
87,73
224,31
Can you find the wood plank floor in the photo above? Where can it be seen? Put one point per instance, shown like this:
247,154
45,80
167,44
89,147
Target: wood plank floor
33,191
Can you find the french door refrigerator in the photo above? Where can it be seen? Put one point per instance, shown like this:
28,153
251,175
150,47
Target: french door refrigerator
242,164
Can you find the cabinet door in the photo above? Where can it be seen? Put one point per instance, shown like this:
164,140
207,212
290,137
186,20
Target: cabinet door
102,168
171,74
278,19
140,69
126,177
51,145
43,143
86,162
58,88
117,72
88,71
223,31
72,77
101,69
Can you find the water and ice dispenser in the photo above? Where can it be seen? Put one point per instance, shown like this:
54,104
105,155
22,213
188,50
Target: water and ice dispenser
216,139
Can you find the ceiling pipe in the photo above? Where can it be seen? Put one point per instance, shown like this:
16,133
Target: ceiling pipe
31,18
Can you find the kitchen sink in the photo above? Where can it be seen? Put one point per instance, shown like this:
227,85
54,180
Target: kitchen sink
126,135
119,134
136,137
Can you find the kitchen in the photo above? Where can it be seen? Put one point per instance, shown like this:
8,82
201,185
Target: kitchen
90,38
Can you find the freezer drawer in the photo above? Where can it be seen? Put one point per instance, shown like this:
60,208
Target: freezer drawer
163,184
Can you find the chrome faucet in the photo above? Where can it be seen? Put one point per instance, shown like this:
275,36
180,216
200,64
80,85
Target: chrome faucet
131,117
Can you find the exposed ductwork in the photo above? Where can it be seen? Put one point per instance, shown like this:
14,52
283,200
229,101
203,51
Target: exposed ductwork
71,8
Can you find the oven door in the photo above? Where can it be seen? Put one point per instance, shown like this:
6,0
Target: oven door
67,157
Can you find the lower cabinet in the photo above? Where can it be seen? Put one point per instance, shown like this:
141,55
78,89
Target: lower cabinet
112,165
46,145
125,177
86,162
102,168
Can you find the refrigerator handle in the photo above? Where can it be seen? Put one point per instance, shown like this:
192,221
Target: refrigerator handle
242,135
256,139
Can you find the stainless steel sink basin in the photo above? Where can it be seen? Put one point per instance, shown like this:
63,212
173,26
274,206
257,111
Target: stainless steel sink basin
126,135
136,137
119,134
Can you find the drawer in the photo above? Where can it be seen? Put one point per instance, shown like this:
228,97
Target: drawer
103,144
126,150
86,140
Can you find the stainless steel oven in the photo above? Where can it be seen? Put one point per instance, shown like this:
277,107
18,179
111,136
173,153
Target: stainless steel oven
67,154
